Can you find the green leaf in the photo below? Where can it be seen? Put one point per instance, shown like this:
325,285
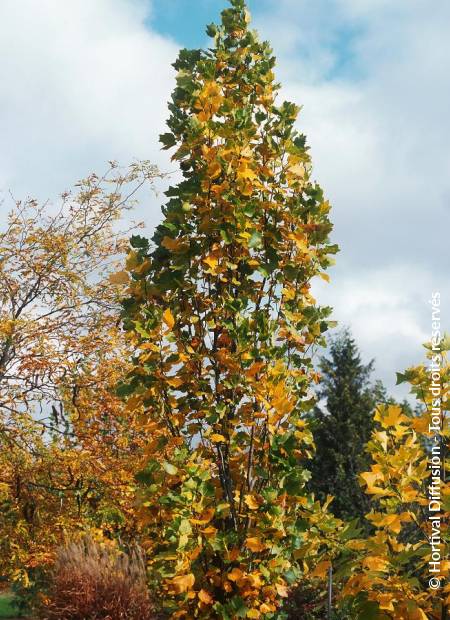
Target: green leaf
255,240
225,236
368,611
141,330
125,389
167,140
401,378
138,242
445,342
169,468
211,30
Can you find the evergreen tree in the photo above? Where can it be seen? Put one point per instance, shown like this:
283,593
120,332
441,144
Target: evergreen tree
342,423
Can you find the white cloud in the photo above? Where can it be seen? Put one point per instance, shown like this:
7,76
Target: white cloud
379,132
80,83
384,313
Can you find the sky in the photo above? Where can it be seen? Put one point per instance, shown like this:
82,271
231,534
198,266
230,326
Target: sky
85,82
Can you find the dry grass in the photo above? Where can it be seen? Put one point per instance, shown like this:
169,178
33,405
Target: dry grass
94,582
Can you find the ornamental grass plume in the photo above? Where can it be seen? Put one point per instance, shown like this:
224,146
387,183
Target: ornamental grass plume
92,581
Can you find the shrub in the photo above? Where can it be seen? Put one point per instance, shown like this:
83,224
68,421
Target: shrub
92,581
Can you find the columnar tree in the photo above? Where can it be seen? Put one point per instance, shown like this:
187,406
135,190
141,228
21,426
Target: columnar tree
223,322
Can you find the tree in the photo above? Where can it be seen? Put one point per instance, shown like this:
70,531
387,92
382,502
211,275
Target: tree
342,423
68,448
409,453
223,326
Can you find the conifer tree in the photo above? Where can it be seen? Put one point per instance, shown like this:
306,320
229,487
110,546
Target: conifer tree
223,325
342,423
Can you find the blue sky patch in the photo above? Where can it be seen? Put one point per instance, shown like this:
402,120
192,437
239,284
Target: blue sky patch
186,20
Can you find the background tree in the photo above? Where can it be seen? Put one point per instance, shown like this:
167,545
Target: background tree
223,326
68,448
342,423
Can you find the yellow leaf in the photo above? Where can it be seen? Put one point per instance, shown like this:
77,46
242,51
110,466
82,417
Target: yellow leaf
391,521
121,277
255,544
205,597
214,170
132,404
4,490
409,494
253,613
175,381
183,583
168,318
204,518
142,268
211,89
369,478
297,170
193,555
266,608
246,189
217,438
321,569
169,468
252,502
282,590
132,261
209,101
390,415
256,580
212,262
385,601
235,575
289,293
174,245
420,424
209,531
375,563
382,437
245,173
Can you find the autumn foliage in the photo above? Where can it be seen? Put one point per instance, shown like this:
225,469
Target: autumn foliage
68,450
223,325
393,569
160,401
